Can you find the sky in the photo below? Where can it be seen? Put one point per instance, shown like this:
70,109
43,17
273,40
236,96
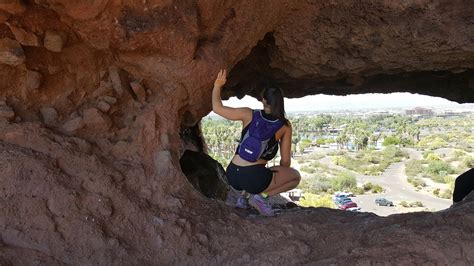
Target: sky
323,102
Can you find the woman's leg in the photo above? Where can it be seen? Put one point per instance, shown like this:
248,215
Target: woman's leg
284,179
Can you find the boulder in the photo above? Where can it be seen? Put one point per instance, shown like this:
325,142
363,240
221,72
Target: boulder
11,52
95,119
110,99
139,91
33,79
73,125
6,112
55,40
49,115
118,79
103,106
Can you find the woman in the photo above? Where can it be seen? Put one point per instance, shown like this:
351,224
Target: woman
253,176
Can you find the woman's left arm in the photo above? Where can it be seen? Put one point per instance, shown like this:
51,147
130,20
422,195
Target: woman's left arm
285,147
218,107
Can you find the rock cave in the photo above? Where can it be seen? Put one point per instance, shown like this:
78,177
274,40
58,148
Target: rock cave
100,104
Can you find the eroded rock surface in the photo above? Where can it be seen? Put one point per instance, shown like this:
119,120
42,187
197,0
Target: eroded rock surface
100,100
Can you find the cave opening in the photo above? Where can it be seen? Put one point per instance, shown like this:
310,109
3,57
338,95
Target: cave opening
405,148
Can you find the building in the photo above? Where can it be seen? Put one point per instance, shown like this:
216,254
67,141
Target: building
420,111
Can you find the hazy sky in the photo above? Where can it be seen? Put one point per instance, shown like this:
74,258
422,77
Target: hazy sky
357,101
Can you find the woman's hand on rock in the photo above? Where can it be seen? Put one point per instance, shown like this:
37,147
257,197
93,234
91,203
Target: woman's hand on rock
221,78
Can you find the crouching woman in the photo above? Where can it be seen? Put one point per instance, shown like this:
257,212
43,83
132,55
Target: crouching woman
263,131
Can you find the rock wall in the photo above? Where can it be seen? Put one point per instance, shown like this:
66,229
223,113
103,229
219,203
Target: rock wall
97,99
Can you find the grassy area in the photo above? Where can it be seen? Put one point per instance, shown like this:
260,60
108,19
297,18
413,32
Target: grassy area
370,162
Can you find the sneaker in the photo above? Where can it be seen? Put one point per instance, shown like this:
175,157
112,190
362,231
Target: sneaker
261,205
242,202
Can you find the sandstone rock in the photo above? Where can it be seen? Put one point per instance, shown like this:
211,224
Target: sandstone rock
53,69
95,119
138,90
24,37
111,100
3,16
202,238
81,10
119,80
12,6
33,79
6,112
11,52
103,106
54,40
49,115
162,159
73,125
104,87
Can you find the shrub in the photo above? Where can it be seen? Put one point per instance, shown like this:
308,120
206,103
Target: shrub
372,169
404,204
439,168
358,191
426,153
408,204
392,152
446,194
458,154
433,157
308,169
319,184
339,160
433,142
337,152
413,167
377,189
391,140
468,161
416,182
372,158
312,200
436,192
343,181
367,186
323,141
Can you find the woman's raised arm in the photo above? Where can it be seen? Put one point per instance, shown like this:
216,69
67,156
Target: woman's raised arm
225,111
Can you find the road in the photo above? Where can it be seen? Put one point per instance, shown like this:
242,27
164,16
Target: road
397,189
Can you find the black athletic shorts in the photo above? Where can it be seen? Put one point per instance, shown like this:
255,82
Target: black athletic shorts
253,179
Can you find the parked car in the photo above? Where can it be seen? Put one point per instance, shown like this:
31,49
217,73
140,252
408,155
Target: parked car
342,201
334,198
348,205
344,194
353,209
383,202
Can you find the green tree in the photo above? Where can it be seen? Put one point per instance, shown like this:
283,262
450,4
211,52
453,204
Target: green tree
391,140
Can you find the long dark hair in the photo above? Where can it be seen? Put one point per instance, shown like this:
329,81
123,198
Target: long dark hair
274,98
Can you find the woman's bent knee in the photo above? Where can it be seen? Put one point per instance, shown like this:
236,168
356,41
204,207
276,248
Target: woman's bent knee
297,175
